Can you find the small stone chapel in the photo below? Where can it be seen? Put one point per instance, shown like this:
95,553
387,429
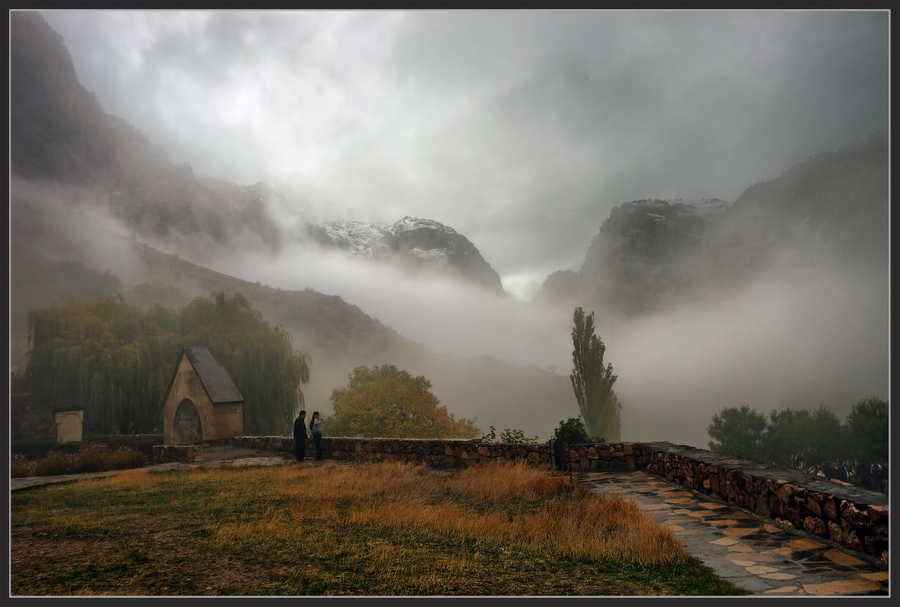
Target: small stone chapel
202,402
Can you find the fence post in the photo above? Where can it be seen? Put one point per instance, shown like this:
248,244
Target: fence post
561,455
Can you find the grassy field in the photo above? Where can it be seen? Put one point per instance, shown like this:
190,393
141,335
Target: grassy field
373,529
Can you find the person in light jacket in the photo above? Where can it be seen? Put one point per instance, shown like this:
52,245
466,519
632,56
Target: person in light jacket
315,427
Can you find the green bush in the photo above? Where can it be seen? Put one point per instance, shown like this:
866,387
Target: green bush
512,436
573,432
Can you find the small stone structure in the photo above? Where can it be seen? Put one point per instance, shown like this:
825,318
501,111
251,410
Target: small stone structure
68,426
202,402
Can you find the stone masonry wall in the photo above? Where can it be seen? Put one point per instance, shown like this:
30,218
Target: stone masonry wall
854,517
439,453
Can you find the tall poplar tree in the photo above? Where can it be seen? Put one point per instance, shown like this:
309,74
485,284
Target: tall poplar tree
592,382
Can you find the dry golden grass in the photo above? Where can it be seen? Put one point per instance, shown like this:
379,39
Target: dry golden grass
503,480
576,525
560,517
370,528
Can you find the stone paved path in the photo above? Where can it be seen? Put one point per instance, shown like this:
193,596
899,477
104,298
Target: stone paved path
756,554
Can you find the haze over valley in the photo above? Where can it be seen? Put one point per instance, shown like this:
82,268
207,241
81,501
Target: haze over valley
435,191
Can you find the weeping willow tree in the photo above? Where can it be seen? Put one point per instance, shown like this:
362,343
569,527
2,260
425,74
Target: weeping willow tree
114,362
260,358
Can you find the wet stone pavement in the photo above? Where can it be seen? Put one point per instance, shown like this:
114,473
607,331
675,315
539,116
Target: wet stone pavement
759,555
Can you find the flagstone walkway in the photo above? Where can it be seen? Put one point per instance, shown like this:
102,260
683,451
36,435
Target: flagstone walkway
754,553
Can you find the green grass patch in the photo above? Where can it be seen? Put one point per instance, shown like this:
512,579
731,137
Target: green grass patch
384,529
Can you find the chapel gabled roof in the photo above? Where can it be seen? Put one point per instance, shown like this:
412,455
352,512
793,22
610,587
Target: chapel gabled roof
215,378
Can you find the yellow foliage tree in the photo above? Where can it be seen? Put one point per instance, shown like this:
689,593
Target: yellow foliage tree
388,402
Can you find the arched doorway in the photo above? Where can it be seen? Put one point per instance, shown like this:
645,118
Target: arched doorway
187,427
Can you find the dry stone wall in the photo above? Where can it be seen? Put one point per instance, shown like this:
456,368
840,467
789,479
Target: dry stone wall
439,453
854,517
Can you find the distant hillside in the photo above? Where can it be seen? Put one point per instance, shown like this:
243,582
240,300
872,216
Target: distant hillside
340,336
652,253
60,132
72,165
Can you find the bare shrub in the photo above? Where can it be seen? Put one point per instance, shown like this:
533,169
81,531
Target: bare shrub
19,466
95,457
57,462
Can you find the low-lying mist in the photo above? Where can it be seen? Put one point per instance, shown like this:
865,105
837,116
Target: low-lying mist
445,314
811,330
791,339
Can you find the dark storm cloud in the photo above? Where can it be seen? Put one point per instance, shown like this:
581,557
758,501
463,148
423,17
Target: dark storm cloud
484,120
522,130
601,108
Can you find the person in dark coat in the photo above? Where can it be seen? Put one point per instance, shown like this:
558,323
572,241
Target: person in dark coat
300,436
875,476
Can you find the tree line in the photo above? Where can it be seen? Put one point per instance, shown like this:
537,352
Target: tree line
804,439
114,361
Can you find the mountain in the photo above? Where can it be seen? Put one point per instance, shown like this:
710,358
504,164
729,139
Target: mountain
650,254
59,132
93,203
418,244
96,207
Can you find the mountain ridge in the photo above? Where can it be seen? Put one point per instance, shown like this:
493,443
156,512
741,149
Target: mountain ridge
69,159
59,131
649,254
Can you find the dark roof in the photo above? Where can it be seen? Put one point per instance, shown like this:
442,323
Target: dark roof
215,379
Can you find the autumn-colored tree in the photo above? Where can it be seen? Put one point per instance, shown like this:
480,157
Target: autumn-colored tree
388,402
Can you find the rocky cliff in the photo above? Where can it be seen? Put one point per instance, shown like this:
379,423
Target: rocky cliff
418,244
60,132
652,253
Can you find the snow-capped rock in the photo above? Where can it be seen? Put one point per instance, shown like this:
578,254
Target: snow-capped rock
418,244
368,240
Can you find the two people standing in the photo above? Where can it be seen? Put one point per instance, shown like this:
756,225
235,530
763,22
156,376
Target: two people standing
300,435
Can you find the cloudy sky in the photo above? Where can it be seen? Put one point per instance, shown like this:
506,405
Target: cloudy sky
521,130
